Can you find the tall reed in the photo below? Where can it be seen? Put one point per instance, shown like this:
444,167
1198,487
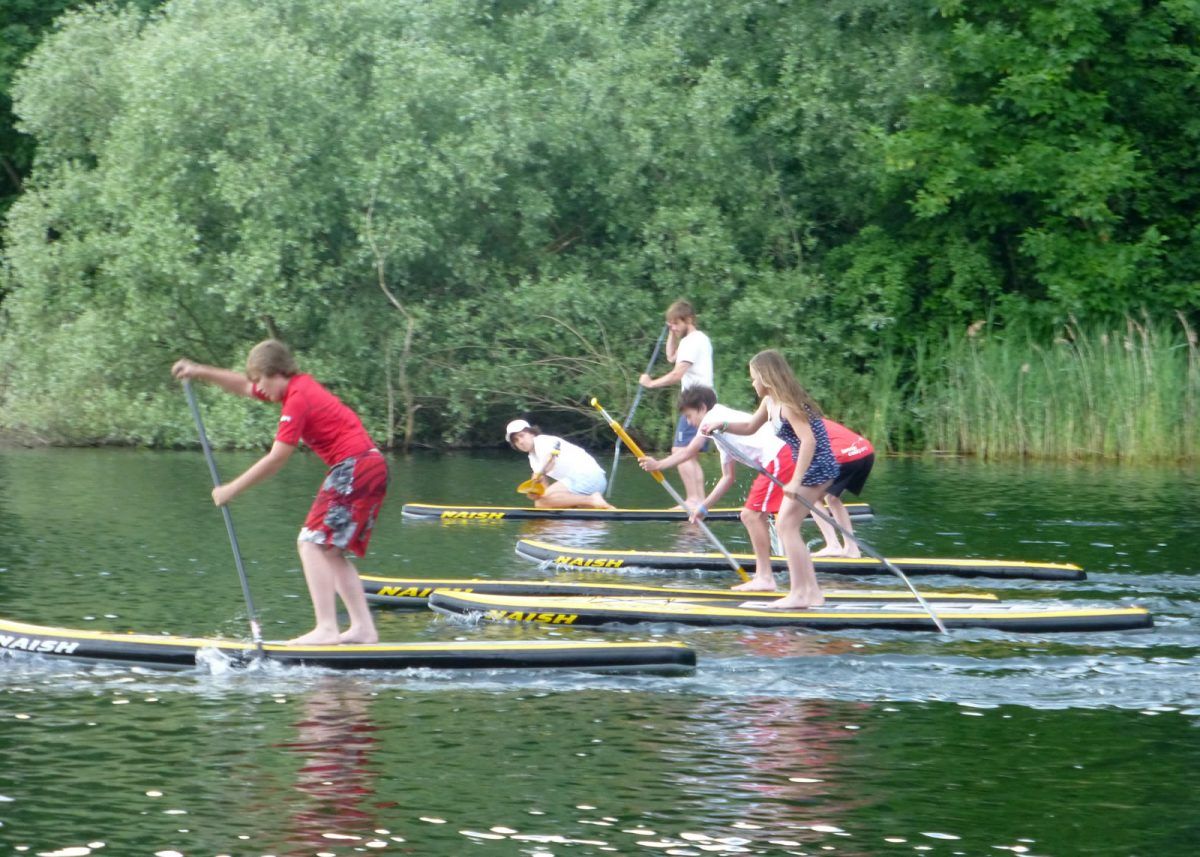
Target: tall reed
1132,393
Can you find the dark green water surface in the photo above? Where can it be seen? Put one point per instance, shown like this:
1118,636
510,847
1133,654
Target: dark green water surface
782,742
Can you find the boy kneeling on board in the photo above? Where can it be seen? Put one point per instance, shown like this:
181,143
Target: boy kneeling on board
576,479
698,405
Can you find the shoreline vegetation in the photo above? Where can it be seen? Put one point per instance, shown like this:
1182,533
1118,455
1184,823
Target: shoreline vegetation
969,227
1128,395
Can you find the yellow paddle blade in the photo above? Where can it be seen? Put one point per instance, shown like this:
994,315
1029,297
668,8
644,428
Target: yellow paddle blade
531,487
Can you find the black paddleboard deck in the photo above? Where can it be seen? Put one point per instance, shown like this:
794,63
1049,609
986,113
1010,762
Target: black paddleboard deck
167,652
585,612
414,592
575,558
429,511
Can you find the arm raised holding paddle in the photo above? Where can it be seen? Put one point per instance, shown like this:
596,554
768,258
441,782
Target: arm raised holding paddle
231,382
690,350
343,515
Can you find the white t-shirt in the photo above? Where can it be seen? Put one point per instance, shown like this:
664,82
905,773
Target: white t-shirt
762,446
695,348
573,461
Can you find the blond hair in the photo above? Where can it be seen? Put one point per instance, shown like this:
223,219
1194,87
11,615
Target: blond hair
777,376
270,357
681,311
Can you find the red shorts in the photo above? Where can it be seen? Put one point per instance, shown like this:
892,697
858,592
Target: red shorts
765,495
344,511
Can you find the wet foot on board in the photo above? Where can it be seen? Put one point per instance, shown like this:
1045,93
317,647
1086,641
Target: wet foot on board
754,586
316,638
788,603
352,637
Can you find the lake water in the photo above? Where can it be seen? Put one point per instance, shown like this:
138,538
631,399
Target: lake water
782,741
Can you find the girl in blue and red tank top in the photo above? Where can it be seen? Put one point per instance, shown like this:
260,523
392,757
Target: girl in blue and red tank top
797,421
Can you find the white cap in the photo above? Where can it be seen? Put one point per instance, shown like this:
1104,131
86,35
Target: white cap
514,427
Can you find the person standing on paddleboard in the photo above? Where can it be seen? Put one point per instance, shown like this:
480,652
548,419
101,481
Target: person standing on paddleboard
690,349
579,480
796,419
343,515
855,457
699,405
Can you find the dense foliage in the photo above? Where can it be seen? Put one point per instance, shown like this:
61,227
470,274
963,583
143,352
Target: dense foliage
22,23
459,211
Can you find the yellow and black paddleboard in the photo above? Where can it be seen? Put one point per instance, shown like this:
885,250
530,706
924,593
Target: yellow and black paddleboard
591,611
167,652
415,591
567,557
428,511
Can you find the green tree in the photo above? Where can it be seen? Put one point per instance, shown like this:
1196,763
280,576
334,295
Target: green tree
1052,172
457,211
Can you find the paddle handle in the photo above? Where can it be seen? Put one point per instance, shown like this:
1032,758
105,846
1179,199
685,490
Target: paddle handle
637,398
732,450
255,630
637,451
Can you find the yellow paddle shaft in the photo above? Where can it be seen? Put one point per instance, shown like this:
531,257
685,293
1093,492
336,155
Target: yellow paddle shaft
637,450
625,438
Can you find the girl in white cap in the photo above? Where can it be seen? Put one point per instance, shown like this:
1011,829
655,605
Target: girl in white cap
579,481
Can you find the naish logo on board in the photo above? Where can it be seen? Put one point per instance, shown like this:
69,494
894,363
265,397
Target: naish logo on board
417,591
586,562
405,592
474,516
534,616
25,644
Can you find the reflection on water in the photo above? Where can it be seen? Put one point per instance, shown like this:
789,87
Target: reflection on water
335,737
582,533
295,762
781,742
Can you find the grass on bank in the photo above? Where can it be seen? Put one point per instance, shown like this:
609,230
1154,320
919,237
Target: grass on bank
1127,394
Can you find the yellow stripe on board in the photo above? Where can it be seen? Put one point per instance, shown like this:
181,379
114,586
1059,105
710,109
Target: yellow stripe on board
421,587
657,510
685,608
585,555
202,642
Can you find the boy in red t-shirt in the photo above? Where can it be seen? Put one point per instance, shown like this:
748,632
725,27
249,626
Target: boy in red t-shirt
855,457
343,514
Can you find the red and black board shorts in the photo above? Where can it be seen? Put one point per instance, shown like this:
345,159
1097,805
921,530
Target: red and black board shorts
345,509
765,495
852,476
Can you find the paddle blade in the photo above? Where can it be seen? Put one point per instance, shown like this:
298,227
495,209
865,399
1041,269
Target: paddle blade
531,488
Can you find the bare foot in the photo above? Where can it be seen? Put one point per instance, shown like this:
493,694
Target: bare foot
316,637
852,553
790,602
598,502
828,550
354,635
755,585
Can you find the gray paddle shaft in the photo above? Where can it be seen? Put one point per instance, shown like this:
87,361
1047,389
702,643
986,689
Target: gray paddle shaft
732,450
255,630
637,398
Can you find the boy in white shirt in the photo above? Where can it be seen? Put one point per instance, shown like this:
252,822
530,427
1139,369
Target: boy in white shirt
579,481
698,405
691,351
